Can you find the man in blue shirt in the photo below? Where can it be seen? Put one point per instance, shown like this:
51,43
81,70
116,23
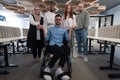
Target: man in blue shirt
55,36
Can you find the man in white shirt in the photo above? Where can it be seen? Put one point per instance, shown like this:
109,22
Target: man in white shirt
49,17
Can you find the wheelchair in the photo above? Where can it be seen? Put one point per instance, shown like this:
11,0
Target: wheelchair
46,57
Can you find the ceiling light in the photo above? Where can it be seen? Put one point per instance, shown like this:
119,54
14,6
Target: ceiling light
101,7
68,2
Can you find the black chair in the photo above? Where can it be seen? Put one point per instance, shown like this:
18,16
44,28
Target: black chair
21,44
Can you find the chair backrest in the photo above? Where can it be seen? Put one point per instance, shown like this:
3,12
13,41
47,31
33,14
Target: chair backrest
110,32
91,32
9,32
25,31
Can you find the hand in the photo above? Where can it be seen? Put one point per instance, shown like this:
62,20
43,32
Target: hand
39,26
73,26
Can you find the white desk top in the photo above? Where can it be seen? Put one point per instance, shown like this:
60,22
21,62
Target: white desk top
11,39
115,40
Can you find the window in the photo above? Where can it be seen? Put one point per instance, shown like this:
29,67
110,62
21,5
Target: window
2,18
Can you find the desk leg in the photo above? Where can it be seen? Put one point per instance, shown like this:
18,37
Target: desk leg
114,75
105,46
111,60
117,75
100,47
6,59
28,50
13,47
17,46
4,72
90,46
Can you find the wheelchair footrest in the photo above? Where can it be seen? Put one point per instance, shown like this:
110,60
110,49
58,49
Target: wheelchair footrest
46,73
62,74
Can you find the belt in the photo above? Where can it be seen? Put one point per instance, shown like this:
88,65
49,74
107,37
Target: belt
79,29
50,24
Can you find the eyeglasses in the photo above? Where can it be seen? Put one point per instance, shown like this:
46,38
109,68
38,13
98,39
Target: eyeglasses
68,8
36,9
80,5
58,19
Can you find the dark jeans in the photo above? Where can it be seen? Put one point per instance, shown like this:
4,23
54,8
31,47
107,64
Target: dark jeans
60,53
81,37
36,52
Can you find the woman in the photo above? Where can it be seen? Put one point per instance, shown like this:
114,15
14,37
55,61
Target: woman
69,20
35,38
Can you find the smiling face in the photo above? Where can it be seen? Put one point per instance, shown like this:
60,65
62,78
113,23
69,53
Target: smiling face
37,10
69,8
80,7
58,20
68,11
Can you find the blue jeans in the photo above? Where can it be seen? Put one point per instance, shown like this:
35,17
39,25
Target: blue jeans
82,42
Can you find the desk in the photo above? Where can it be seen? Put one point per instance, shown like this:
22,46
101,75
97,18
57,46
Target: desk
112,42
12,40
3,40
4,46
5,57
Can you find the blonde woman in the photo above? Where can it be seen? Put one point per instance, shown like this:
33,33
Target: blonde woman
35,37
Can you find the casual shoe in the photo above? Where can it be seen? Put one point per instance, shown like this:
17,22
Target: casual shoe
80,55
59,71
35,60
47,77
38,59
75,55
85,58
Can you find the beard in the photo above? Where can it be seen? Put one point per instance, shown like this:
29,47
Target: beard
58,23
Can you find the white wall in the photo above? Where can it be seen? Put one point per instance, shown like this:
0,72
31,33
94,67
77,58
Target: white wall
13,20
116,12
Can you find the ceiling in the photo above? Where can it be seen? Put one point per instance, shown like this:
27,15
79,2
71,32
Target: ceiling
26,6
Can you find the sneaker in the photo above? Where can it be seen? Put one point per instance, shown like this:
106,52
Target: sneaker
47,77
85,58
80,55
35,60
38,59
75,55
59,71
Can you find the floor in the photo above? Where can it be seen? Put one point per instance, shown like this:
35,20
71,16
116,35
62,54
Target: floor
28,70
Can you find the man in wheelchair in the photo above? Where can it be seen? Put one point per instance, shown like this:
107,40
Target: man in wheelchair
60,51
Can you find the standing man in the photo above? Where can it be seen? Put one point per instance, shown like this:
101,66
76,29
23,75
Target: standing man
49,17
82,20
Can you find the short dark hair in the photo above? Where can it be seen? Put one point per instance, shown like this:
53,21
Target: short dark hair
58,15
